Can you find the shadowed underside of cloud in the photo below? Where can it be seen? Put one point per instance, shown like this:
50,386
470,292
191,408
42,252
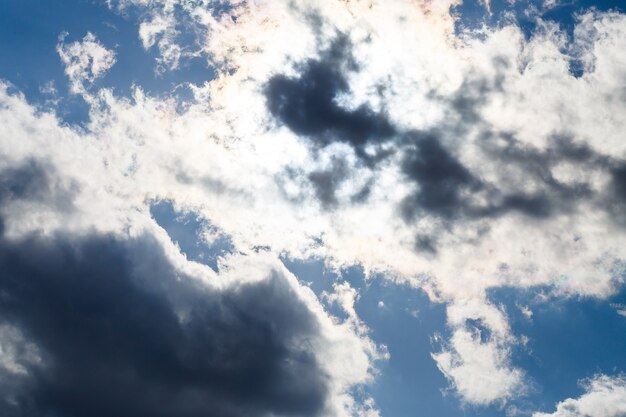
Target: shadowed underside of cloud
34,181
108,326
440,177
448,189
307,104
445,188
116,342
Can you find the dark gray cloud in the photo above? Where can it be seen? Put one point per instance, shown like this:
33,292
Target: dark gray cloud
426,244
616,195
307,104
31,181
325,182
440,176
618,174
537,166
115,342
445,188
121,333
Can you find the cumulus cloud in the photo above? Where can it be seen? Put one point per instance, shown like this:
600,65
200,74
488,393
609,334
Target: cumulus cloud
111,345
604,396
120,323
440,165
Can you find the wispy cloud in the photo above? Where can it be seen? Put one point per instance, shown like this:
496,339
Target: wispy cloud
85,61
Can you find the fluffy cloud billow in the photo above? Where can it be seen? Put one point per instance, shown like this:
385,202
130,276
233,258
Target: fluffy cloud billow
604,396
108,323
383,135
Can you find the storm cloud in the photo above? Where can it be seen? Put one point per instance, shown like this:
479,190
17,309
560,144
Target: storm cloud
120,333
114,329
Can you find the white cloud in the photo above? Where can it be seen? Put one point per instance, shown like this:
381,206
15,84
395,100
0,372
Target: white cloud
346,297
526,311
620,309
476,359
551,4
162,31
85,61
604,396
228,160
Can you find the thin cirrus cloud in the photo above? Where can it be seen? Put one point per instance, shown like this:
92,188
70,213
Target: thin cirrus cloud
360,133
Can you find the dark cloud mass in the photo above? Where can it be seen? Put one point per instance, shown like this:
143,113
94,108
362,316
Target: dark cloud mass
119,332
447,189
444,188
325,182
31,181
440,176
307,104
616,199
119,335
619,181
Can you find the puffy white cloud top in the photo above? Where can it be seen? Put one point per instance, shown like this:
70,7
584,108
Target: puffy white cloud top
604,396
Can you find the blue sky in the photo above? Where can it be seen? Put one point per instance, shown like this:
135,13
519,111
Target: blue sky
29,35
450,186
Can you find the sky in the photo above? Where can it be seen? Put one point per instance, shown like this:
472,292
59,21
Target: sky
346,208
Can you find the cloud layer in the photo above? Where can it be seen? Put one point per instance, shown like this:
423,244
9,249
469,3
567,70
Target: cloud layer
356,132
105,323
